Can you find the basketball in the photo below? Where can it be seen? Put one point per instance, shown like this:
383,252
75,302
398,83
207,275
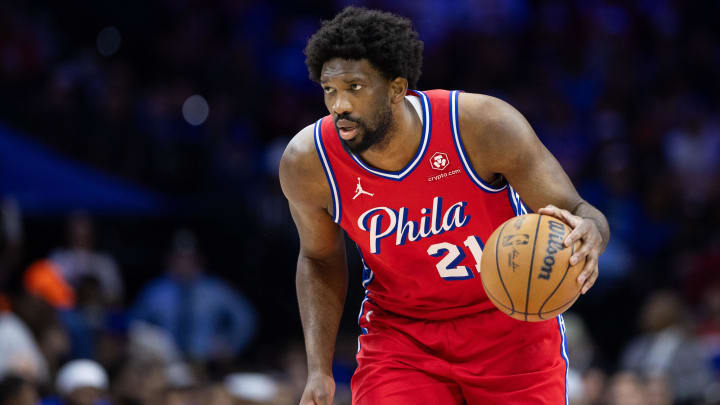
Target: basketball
526,268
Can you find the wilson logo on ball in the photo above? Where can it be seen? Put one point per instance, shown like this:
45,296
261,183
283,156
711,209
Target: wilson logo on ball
439,161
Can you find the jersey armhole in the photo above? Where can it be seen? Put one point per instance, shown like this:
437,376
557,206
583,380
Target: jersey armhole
329,174
460,148
517,204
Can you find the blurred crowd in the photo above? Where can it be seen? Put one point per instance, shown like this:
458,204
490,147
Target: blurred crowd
68,337
198,99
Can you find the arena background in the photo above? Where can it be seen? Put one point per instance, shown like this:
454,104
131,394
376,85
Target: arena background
159,125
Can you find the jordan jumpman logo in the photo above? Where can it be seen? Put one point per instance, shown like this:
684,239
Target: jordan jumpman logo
359,190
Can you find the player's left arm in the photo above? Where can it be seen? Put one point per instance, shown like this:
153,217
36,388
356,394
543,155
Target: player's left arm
500,142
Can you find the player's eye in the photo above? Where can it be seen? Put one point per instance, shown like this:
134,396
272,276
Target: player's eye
328,90
356,86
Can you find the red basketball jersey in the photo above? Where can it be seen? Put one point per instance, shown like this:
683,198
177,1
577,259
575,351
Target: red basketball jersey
421,230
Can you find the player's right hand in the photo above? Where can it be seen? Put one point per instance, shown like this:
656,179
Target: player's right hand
319,390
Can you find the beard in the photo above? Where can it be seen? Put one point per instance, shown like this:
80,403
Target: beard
368,136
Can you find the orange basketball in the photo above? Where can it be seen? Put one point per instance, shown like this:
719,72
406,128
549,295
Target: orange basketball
526,268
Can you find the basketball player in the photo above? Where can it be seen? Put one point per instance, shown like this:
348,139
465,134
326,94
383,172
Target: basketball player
419,180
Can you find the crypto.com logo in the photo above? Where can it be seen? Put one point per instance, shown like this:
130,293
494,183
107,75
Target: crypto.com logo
439,161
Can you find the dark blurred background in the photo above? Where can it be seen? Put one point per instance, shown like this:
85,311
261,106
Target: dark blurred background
143,226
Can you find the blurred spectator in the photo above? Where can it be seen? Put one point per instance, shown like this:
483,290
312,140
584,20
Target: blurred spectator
151,342
32,313
709,326
585,381
626,388
42,320
579,342
19,352
16,390
294,365
139,382
80,259
207,318
180,376
658,391
80,382
593,386
256,389
182,396
217,394
90,322
692,151
44,279
667,349
575,388
703,289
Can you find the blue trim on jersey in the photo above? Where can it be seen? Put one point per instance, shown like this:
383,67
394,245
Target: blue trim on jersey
513,201
460,148
564,354
367,274
518,206
367,277
329,174
364,331
424,142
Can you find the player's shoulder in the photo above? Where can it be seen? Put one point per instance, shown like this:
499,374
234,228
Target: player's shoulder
485,110
300,150
488,119
301,172
493,132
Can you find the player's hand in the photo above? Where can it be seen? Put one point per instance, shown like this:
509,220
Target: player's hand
319,390
585,230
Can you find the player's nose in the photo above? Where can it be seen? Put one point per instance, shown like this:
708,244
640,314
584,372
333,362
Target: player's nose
341,105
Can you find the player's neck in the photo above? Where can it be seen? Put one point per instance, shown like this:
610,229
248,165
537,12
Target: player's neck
402,144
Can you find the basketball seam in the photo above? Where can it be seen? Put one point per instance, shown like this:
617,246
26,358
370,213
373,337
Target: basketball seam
495,300
498,303
572,252
532,259
497,264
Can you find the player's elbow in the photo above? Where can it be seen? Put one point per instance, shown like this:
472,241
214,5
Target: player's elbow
326,262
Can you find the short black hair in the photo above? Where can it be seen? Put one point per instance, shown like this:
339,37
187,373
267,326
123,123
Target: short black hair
389,42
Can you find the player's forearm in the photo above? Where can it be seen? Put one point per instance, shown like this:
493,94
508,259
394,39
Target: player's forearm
585,210
321,288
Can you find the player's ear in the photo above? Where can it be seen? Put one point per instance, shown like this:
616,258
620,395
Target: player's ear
398,88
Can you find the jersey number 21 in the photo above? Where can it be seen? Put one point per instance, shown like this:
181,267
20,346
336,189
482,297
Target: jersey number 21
449,266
